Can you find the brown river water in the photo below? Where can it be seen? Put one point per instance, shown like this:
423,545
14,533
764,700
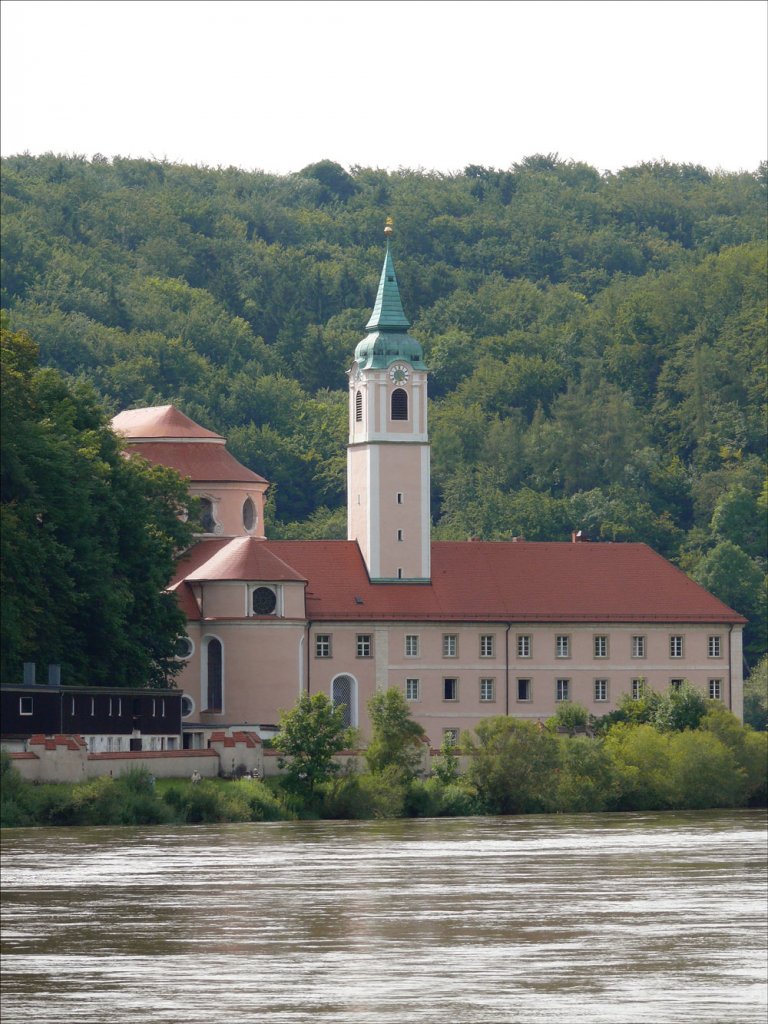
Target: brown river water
590,919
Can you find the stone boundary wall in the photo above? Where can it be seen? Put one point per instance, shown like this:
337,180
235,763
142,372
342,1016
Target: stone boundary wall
62,758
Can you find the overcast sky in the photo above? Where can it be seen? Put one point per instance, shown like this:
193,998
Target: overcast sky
398,83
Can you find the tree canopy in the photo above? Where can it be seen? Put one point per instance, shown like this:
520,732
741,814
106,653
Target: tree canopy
89,537
596,340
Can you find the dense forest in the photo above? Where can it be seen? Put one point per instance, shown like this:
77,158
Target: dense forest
597,341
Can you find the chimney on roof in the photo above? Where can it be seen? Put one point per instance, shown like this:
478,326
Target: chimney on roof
518,540
29,673
54,675
579,537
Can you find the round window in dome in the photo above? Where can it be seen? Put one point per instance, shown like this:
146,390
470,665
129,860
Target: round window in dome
249,514
264,601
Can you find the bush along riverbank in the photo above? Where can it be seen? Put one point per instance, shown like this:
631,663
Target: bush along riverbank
646,756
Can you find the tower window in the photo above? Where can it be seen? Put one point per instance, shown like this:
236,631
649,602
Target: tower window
359,407
399,534
399,404
399,497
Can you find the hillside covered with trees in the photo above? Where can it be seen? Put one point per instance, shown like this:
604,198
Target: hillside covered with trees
597,341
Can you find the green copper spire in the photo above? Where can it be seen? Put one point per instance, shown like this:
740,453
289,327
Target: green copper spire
388,312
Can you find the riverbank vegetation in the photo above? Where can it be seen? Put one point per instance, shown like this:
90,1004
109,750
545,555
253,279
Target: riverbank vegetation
596,340
646,757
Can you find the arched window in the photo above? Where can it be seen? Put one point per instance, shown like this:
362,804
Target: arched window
344,691
214,663
207,521
399,404
249,514
359,407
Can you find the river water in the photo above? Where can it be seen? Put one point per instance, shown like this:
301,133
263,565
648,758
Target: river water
590,919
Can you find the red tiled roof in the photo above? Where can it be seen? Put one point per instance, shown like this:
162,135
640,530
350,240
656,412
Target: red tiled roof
245,738
116,755
159,421
202,463
507,581
476,581
244,558
71,742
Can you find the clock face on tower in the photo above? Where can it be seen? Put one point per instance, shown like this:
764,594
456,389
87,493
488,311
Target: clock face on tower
398,373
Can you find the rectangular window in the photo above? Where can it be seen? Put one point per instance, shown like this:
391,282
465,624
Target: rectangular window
638,688
675,647
487,690
115,706
411,689
399,534
154,708
524,646
524,689
323,645
364,645
715,689
488,645
562,689
26,705
600,646
412,645
93,706
72,705
450,689
675,684
451,736
450,645
399,497
601,689
562,647
162,707
714,647
638,646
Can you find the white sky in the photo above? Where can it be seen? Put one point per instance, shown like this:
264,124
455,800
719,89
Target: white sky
387,83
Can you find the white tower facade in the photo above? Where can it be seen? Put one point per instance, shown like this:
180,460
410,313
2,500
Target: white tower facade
388,464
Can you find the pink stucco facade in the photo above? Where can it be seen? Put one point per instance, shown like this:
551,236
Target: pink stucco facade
465,630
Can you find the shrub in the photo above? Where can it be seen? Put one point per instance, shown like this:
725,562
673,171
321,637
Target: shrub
513,767
433,798
640,756
262,802
704,772
586,778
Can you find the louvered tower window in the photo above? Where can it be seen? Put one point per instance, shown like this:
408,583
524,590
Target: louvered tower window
359,407
399,404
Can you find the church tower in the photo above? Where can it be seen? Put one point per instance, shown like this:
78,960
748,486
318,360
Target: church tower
388,476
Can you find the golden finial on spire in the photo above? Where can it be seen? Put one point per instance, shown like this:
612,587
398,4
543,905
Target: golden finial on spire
388,229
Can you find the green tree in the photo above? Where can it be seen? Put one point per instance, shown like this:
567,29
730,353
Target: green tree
730,574
569,716
311,733
680,708
446,768
514,766
89,538
397,742
756,696
586,780
640,755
